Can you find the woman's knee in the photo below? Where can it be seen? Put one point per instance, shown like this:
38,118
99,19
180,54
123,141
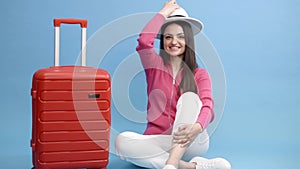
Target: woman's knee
124,142
121,142
190,98
187,109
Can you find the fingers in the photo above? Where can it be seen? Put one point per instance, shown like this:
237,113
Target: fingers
185,144
169,7
183,136
173,1
180,137
181,141
180,128
184,129
185,141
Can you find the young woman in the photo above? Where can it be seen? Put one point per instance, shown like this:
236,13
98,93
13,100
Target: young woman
180,103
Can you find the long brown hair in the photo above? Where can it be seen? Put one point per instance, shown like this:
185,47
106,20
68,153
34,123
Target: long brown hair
189,63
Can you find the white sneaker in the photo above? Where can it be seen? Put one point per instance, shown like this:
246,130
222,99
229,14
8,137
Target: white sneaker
215,163
169,167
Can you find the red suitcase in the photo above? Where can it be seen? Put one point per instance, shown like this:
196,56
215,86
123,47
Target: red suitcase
71,113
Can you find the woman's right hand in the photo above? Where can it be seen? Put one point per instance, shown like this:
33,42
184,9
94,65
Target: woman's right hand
169,7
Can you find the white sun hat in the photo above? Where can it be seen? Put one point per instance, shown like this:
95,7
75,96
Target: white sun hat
181,15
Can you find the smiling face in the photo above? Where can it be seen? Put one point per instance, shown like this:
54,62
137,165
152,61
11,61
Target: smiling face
174,40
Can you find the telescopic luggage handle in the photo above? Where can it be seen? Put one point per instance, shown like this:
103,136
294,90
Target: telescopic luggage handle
57,23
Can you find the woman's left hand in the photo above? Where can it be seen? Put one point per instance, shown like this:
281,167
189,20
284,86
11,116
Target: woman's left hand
186,134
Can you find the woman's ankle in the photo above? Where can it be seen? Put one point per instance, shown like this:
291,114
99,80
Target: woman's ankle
172,162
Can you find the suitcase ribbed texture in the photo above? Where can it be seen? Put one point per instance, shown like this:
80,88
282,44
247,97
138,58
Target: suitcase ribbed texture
71,117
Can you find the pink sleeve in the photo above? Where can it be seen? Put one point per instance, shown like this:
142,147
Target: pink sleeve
145,48
203,82
149,32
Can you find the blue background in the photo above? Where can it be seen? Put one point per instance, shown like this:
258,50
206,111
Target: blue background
258,43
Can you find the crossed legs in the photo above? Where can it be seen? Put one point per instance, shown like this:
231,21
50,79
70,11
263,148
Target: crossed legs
154,151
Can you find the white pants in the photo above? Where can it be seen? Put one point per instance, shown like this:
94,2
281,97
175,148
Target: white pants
152,151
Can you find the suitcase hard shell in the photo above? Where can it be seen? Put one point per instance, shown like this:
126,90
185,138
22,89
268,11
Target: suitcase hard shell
71,117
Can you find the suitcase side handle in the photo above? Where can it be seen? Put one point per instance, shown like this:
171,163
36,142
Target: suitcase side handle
57,23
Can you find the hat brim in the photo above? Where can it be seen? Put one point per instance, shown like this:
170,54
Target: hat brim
196,25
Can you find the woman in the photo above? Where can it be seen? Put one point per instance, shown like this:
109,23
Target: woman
180,104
